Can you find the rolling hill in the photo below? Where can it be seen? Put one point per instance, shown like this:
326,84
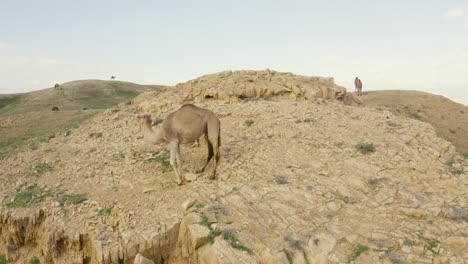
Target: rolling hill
450,119
26,119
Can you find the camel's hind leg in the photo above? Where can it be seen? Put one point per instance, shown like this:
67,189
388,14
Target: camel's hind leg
216,145
175,156
210,154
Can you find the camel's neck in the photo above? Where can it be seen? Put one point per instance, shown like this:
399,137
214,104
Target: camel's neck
152,136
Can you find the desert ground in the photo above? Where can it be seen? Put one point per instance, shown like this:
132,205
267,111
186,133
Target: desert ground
308,174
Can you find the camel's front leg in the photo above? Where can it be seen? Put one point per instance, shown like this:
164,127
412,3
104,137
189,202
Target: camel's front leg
174,148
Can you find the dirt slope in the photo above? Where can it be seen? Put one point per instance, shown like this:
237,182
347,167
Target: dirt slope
450,119
301,181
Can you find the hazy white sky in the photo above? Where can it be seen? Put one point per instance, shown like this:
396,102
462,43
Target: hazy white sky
410,44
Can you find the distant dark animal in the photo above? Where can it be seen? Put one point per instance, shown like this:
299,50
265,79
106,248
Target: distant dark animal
57,87
112,77
85,108
358,86
55,108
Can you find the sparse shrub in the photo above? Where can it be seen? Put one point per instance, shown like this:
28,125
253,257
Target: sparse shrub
35,260
340,144
452,131
365,147
69,199
357,251
465,155
293,243
200,205
450,161
373,181
408,242
3,260
235,243
432,245
118,156
281,180
213,234
248,123
41,168
456,171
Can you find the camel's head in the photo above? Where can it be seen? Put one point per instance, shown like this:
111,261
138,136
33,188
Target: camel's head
145,118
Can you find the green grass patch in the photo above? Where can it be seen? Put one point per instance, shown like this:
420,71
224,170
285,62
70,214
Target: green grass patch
465,155
29,196
365,148
9,100
358,250
3,260
161,157
41,168
456,171
102,211
34,195
213,234
235,243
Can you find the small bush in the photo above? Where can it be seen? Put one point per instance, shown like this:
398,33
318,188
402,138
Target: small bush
465,155
365,148
293,243
373,181
35,260
248,122
452,131
281,180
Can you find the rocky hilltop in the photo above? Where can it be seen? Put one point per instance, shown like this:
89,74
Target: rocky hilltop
303,178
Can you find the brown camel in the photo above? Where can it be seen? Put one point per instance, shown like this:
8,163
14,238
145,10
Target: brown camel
187,124
358,85
55,108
